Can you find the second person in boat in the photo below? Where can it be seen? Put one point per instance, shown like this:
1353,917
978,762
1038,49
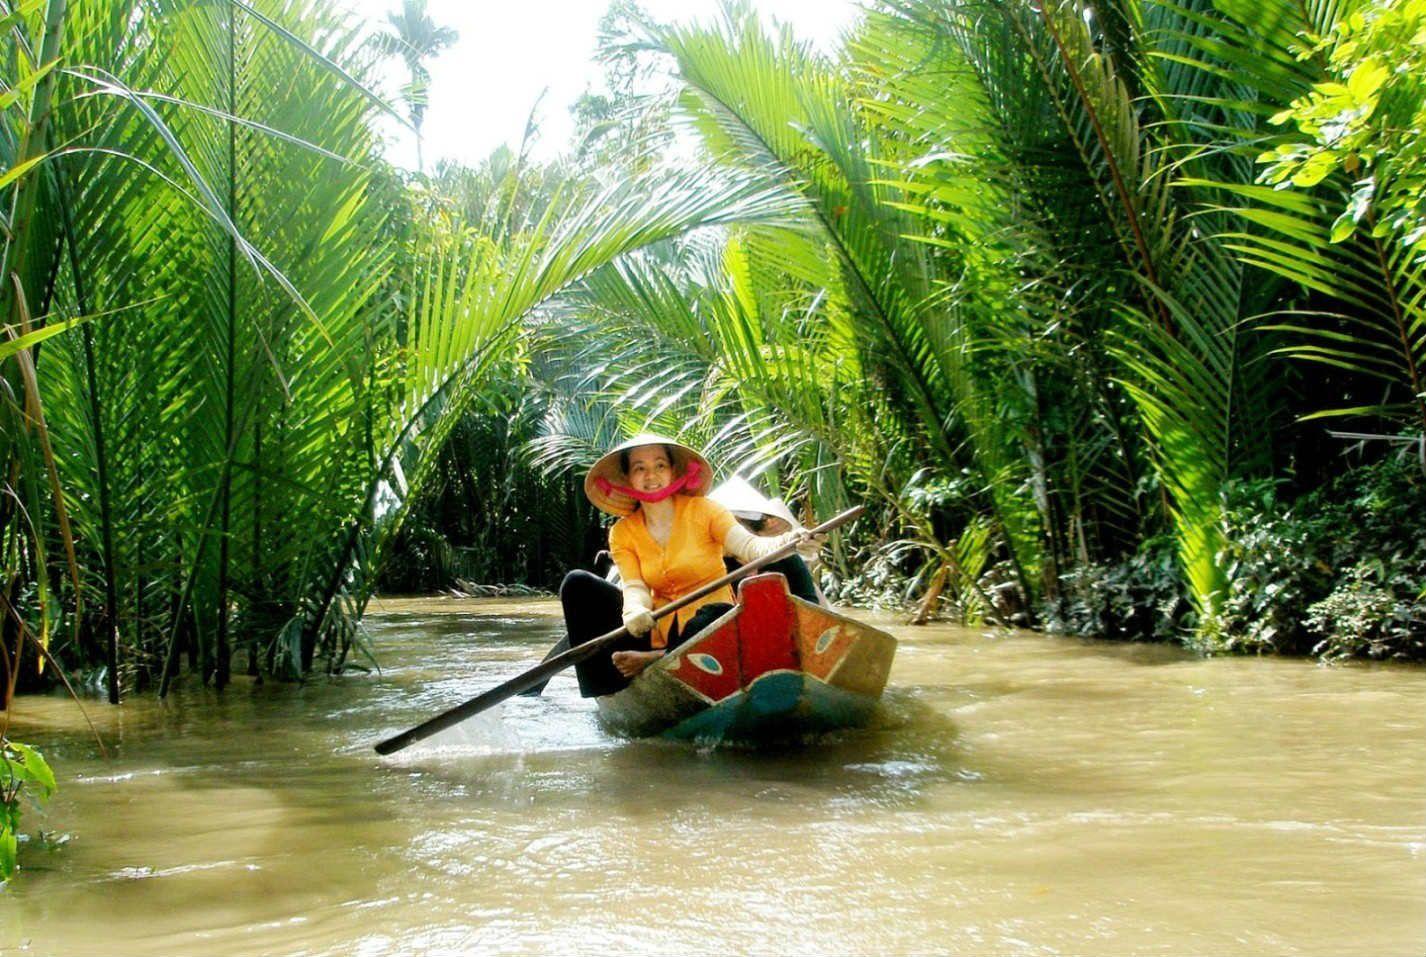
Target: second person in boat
669,541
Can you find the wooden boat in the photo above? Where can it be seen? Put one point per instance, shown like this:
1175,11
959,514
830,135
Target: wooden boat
773,667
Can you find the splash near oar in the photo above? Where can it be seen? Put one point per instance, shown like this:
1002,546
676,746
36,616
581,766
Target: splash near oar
552,666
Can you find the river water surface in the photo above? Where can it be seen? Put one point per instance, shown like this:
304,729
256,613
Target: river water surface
1018,794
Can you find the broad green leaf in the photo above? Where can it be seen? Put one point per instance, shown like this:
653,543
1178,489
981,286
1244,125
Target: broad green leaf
1366,79
1317,168
36,766
8,847
1343,227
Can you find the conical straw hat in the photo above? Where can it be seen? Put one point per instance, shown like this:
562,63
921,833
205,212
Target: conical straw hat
609,468
740,497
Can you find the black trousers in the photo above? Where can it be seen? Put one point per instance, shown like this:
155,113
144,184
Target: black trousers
794,569
594,607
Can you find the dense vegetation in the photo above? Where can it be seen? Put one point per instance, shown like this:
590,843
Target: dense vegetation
1070,299
1114,312
1068,293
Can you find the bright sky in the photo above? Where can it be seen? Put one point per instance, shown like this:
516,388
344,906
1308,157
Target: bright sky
483,88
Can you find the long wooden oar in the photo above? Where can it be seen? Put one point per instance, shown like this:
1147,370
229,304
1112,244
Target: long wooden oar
556,664
538,688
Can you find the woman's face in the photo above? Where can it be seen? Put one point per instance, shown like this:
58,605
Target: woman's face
772,525
769,526
649,468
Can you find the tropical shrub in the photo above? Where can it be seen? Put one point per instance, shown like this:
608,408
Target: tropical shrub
1374,611
24,777
1141,598
1275,571
1339,572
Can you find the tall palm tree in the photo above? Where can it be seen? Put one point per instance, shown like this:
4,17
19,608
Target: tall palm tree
415,38
236,454
788,114
1041,316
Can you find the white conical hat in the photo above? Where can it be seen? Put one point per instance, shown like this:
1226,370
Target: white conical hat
739,496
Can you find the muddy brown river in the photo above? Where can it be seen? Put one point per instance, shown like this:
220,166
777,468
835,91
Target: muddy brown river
1017,794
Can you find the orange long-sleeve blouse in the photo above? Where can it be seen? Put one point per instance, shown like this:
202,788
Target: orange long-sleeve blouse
693,557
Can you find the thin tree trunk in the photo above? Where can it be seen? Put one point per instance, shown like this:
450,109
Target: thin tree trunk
257,569
106,514
169,671
137,636
932,596
222,651
10,637
1044,496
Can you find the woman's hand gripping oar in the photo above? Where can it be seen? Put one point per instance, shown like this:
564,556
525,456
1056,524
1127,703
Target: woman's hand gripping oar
557,663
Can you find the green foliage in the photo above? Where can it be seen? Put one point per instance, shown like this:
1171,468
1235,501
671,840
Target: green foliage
1371,614
290,332
1337,573
1274,572
996,202
886,577
999,269
1141,598
24,776
1013,305
1365,312
215,400
489,515
1366,121
34,517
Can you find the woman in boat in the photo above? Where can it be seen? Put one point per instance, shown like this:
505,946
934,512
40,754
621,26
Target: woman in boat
768,518
669,541
764,517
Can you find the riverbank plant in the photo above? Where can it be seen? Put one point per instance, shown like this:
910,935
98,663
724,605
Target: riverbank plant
1338,572
1141,598
25,778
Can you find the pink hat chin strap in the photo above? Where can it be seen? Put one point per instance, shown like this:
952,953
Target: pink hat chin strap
688,478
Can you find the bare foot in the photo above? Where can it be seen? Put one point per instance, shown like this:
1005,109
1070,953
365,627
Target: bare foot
630,663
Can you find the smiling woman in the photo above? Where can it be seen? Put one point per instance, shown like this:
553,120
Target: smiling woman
669,541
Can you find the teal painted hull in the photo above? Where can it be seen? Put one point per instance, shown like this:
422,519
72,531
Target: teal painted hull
781,704
773,668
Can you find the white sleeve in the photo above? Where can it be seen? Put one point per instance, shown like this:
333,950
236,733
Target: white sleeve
637,598
746,547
